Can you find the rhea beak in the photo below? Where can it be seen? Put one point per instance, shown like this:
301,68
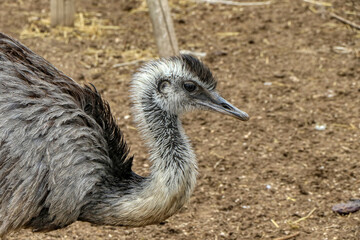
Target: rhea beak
215,102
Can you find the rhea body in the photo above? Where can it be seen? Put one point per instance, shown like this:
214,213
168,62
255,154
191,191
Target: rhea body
63,158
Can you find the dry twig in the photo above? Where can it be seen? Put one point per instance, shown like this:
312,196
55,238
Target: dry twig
293,224
275,223
343,20
326,4
236,3
197,54
289,236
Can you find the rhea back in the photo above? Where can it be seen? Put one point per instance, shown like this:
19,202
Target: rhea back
63,157
54,134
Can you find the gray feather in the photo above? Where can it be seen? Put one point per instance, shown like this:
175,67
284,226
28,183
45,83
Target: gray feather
63,158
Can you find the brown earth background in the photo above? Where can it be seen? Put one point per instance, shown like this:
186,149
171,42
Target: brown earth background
291,66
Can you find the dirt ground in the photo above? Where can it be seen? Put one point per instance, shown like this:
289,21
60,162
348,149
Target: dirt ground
292,67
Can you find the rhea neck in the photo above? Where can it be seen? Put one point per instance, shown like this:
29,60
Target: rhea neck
170,151
170,183
174,169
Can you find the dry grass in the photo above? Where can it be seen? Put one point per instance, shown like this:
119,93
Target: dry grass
87,26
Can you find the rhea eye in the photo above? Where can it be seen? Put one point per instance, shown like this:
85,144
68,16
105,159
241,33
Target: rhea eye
190,86
162,85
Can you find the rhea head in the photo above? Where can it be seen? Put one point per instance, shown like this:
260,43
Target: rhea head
178,84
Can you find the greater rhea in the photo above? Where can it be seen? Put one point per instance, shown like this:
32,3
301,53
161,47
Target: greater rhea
63,158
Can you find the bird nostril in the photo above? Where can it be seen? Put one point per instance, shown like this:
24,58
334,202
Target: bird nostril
226,106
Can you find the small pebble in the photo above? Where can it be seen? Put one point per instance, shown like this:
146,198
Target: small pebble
320,127
279,75
294,79
346,208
